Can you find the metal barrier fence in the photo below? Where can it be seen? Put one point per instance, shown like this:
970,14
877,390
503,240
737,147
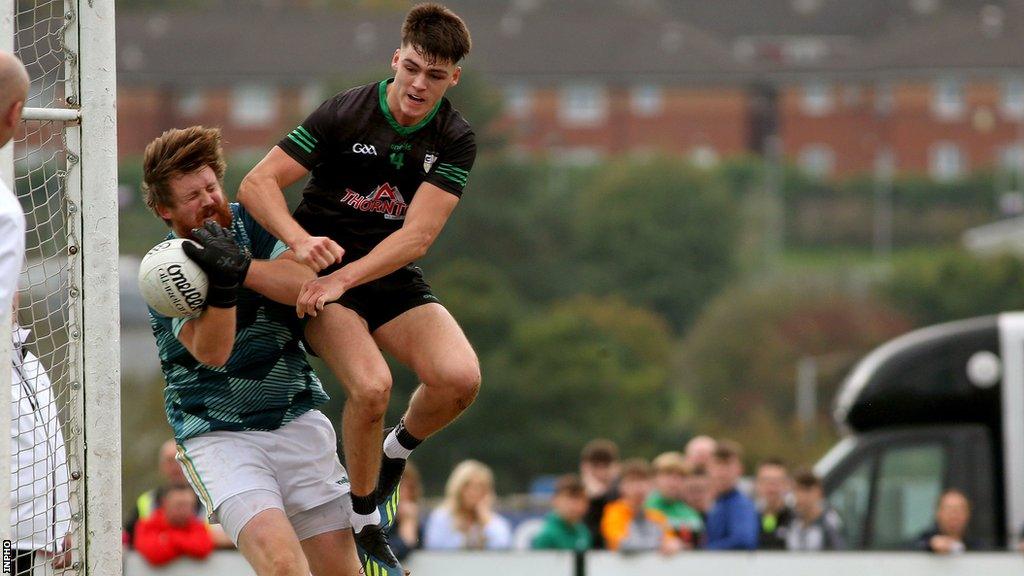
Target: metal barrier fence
611,564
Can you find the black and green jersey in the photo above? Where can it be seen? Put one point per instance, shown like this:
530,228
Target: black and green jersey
266,382
366,167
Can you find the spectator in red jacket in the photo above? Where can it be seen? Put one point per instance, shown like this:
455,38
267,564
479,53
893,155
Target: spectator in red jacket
173,530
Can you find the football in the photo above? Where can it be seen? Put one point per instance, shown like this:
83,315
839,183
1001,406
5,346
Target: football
170,282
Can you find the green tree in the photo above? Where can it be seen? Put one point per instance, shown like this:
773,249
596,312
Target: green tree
584,368
659,231
738,363
957,285
481,298
513,217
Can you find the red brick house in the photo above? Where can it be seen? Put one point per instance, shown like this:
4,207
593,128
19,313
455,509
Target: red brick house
931,86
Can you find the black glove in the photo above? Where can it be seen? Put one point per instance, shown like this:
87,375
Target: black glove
224,262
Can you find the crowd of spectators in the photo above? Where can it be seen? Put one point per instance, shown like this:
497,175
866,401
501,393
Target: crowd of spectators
679,502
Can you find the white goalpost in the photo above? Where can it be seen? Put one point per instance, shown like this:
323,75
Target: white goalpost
62,166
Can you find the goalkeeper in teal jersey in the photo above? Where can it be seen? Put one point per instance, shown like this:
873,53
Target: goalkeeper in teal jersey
240,395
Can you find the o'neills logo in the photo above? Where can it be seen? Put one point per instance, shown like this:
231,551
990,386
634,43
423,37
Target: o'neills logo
185,290
386,200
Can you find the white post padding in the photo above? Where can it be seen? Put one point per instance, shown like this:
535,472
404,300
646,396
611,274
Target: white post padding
100,299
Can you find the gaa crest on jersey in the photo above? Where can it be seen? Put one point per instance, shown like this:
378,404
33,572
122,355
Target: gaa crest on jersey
386,200
428,161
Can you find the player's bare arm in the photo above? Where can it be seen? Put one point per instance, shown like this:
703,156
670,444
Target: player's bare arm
427,215
210,337
280,279
261,192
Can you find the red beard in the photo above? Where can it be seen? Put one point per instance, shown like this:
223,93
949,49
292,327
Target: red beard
220,214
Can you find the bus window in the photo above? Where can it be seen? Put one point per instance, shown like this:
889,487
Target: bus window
910,480
850,499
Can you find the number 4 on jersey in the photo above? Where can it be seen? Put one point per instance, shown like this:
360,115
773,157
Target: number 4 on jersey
398,159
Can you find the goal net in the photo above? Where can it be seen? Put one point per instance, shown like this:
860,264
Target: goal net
64,363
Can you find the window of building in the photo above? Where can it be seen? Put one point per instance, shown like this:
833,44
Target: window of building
583,104
1012,98
946,162
704,156
191,102
646,100
518,101
253,105
818,99
817,160
948,98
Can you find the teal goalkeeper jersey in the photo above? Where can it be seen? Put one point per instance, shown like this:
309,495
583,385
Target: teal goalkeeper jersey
266,382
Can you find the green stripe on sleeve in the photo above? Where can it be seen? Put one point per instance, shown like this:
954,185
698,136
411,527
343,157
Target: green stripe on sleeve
309,140
304,132
308,148
454,177
453,168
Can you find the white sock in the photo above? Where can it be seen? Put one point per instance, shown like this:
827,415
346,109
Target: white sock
393,448
360,521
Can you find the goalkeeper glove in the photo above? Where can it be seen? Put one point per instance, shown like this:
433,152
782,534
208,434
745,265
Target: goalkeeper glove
226,265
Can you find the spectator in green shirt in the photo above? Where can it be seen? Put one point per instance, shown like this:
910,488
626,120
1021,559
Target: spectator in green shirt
563,527
772,486
670,475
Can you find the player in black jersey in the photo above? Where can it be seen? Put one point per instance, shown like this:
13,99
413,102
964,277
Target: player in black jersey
389,162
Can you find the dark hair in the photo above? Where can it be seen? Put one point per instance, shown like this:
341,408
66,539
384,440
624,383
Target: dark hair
636,468
726,450
569,485
437,33
177,152
600,451
806,478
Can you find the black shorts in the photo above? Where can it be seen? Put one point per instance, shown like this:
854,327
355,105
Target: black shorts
384,299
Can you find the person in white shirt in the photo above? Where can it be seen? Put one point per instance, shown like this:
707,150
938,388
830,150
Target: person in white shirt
40,485
467,520
13,93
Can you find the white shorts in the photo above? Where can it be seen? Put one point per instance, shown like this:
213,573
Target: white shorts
294,468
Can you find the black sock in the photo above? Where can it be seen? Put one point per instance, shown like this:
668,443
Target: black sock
407,440
363,504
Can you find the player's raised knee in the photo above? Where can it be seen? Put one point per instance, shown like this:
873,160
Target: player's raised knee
370,396
464,382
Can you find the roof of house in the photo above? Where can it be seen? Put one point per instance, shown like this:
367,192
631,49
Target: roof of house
548,40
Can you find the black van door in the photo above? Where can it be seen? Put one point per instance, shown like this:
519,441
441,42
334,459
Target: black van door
887,486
